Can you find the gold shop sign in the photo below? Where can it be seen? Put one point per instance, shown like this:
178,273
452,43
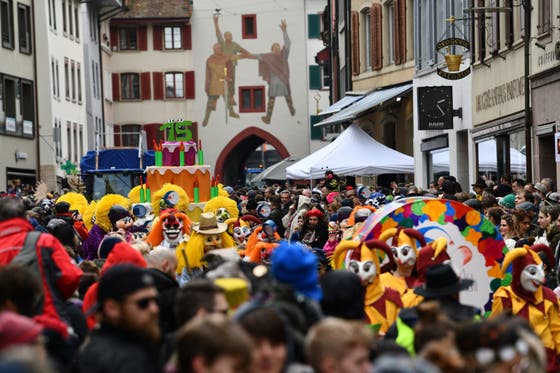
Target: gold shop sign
453,60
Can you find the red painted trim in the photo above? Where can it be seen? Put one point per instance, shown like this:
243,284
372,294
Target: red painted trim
251,131
143,21
244,32
252,108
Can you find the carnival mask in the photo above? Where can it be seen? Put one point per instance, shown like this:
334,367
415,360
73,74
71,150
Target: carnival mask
172,229
404,255
532,277
212,241
365,270
240,234
222,214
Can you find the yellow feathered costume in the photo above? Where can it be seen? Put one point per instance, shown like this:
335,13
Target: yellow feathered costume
76,200
222,201
157,197
193,251
89,215
103,207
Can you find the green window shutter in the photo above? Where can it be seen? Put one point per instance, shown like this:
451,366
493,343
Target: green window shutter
315,77
313,26
316,132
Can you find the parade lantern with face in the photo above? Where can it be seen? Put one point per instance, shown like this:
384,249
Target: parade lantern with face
368,266
527,272
403,244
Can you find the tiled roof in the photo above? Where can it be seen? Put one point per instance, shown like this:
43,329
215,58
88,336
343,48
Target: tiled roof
157,9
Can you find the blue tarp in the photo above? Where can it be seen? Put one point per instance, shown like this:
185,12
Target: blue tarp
120,159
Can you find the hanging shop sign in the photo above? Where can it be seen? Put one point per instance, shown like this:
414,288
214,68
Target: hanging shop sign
450,49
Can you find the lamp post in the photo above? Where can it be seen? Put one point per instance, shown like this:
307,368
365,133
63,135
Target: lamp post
527,7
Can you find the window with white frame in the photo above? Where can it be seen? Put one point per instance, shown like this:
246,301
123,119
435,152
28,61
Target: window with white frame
172,37
366,43
389,31
174,87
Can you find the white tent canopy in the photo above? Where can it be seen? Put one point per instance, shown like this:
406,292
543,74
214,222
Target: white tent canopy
487,158
353,153
277,171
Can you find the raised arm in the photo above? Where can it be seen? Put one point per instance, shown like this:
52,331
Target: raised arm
219,35
287,42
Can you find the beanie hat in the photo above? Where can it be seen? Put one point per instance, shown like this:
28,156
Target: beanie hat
116,213
107,245
17,329
62,207
62,230
293,264
121,280
343,213
508,201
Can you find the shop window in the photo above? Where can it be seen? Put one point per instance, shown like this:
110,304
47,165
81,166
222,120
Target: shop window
249,26
172,37
251,99
130,86
174,85
438,162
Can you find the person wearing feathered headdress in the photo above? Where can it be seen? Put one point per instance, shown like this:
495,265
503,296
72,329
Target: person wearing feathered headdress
109,210
89,215
404,248
528,298
382,304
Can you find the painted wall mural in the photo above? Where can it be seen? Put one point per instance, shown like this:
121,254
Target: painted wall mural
220,82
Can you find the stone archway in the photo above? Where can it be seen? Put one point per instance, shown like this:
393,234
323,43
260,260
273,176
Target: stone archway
229,165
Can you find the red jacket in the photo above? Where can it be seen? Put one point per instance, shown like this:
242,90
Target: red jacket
59,275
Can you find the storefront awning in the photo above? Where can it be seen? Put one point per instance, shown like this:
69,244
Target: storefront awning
368,102
344,102
323,55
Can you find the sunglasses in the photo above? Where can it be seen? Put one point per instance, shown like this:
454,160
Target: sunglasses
144,303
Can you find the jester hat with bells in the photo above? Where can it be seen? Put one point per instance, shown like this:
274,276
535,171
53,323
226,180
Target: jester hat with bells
381,304
173,223
527,275
403,244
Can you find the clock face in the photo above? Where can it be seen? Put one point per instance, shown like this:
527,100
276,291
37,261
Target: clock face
435,105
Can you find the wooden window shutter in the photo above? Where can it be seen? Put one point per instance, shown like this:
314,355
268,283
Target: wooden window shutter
189,84
114,36
145,86
355,32
186,36
315,81
313,26
117,135
376,37
116,82
157,79
142,38
402,30
316,132
157,38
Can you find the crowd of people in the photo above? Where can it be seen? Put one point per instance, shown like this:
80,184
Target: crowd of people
271,280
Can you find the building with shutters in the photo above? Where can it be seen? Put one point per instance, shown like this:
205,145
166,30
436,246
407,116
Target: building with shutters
18,106
244,84
381,69
152,70
60,87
